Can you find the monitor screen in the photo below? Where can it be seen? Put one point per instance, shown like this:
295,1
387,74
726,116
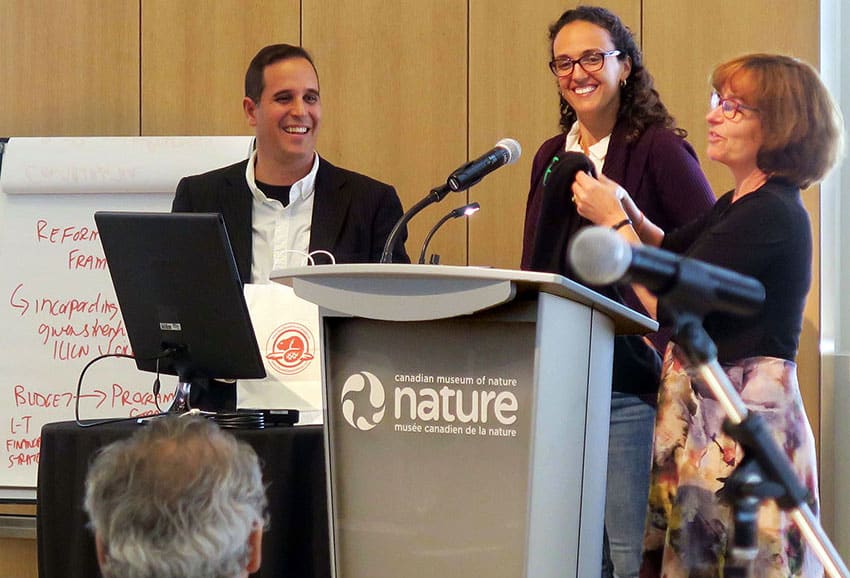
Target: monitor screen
178,289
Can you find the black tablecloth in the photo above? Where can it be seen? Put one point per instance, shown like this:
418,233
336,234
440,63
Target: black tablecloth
296,543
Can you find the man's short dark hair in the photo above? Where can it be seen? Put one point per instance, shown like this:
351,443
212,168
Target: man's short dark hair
254,84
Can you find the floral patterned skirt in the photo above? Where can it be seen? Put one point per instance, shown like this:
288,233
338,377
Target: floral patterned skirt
688,526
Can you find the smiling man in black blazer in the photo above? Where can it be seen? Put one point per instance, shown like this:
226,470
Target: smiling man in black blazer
285,200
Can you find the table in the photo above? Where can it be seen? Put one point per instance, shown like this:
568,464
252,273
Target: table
296,543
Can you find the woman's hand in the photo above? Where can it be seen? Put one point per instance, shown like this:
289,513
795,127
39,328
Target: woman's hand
598,200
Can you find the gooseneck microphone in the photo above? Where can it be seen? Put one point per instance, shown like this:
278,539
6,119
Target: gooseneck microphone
507,151
464,211
600,256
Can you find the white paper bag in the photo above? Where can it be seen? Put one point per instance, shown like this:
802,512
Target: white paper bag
287,329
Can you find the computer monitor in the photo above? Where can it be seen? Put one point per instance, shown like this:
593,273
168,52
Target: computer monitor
181,296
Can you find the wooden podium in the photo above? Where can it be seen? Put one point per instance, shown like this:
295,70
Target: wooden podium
466,414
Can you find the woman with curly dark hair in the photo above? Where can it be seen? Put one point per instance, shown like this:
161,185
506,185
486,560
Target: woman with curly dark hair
611,113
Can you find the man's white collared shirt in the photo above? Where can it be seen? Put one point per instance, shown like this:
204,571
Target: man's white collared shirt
280,235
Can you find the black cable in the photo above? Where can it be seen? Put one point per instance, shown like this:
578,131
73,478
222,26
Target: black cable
77,419
157,385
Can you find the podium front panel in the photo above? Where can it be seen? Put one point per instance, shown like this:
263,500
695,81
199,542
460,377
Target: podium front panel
429,455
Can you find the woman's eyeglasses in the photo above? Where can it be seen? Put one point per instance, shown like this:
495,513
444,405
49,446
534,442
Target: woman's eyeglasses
590,62
729,107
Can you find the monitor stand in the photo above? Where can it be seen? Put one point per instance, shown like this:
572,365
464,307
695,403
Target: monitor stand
181,404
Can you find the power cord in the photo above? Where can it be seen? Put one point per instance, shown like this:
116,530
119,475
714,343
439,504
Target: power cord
156,388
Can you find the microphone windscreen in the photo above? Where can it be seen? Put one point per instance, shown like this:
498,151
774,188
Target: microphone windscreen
599,256
513,148
557,218
562,172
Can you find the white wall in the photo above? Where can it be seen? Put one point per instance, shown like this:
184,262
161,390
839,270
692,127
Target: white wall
835,295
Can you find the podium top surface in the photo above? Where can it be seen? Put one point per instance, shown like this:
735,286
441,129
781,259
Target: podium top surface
387,291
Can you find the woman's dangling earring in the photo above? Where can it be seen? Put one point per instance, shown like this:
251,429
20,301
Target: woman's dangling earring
623,83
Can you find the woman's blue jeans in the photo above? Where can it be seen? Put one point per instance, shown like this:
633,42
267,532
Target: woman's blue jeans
629,462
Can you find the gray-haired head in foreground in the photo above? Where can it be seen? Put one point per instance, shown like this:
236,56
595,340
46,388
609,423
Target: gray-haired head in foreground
178,499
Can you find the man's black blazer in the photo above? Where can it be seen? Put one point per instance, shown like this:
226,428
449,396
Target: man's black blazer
352,214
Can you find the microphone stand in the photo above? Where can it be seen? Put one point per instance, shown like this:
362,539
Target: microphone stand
765,472
434,196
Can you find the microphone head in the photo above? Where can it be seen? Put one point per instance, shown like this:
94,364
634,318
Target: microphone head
599,256
513,148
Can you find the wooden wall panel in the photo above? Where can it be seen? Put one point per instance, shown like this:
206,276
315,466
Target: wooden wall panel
18,556
513,94
681,55
194,57
69,68
393,80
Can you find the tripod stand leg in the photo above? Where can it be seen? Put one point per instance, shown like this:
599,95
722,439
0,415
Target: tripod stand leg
745,544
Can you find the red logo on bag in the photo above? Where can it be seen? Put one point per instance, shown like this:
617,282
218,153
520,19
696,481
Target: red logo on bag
290,348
